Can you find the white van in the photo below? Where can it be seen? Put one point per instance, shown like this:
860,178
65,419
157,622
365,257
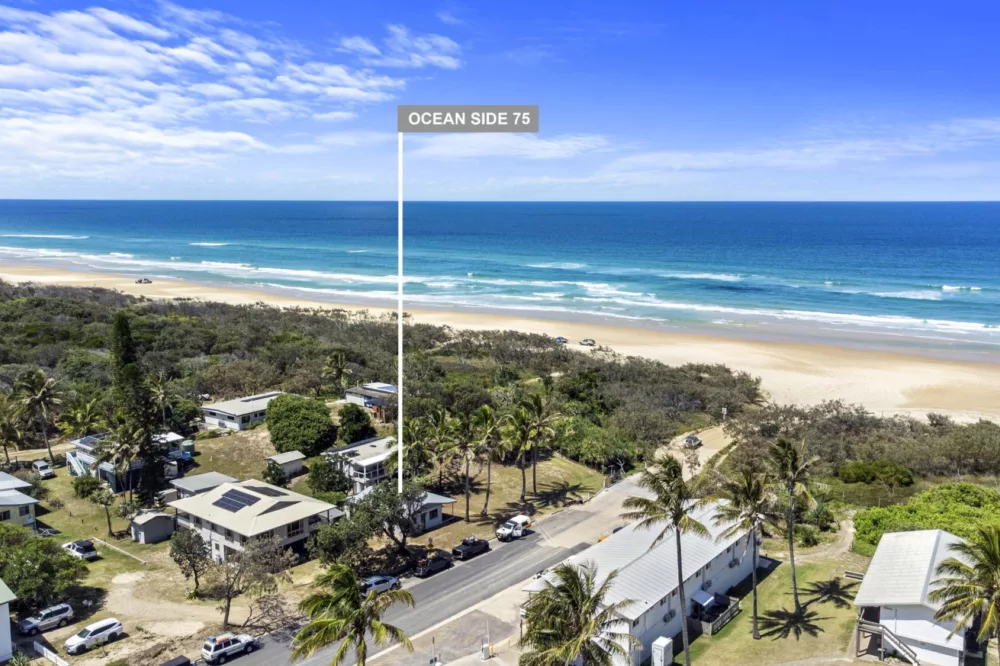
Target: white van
44,469
513,528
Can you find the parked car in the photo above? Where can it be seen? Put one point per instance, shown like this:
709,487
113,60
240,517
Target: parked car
44,469
178,661
692,442
431,565
513,528
84,549
217,649
379,584
469,548
98,633
588,342
50,618
561,340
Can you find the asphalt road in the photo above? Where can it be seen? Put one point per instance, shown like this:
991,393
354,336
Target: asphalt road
452,591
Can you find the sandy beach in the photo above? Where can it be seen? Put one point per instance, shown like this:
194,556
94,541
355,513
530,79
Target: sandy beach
885,383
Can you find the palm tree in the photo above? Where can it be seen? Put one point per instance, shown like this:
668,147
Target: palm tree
40,397
668,510
571,622
121,447
11,425
490,443
749,505
162,395
517,440
440,441
417,458
968,586
82,419
104,498
791,471
335,369
342,612
466,451
543,420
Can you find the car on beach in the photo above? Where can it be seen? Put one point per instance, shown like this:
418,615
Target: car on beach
469,548
378,584
432,564
43,469
53,617
218,649
588,342
98,633
692,442
84,549
561,340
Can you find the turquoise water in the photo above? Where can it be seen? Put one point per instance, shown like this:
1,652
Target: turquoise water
920,274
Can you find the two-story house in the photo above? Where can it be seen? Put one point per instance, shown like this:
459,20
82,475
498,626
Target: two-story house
364,461
16,506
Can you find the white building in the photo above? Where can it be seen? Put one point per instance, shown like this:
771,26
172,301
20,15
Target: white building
380,399
429,516
16,506
647,575
364,461
6,597
230,514
239,413
894,604
290,462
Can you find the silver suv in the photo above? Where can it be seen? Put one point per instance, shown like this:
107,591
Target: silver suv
98,633
218,649
54,616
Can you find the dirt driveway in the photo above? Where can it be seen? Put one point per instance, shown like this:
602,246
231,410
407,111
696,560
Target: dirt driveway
713,440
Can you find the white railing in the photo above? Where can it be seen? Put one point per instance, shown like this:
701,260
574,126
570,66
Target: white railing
43,651
75,464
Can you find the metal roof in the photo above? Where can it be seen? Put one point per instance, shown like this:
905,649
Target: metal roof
904,567
11,482
429,497
267,513
287,457
243,406
647,573
150,516
367,451
15,498
199,482
6,596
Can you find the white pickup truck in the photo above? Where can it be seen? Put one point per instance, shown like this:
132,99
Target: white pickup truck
513,528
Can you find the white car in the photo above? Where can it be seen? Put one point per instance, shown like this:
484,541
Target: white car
514,528
588,342
379,584
44,469
84,549
98,633
217,649
692,442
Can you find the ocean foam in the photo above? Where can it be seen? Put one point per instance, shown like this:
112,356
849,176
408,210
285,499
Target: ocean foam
55,236
563,265
722,277
209,244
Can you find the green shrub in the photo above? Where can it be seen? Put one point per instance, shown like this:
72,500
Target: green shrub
959,508
206,434
879,471
86,485
326,476
300,424
807,535
355,424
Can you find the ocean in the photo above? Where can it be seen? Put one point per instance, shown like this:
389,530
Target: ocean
887,275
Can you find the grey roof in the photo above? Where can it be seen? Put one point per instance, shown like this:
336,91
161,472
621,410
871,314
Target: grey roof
243,406
15,498
150,516
287,457
6,596
429,497
904,567
367,451
648,573
11,482
200,482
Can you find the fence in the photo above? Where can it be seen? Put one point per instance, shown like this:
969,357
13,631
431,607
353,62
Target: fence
43,651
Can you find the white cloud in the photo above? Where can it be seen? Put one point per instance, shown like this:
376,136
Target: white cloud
359,45
335,116
405,50
356,138
525,146
448,18
215,90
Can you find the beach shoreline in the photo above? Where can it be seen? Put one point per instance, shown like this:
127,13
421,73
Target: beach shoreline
803,373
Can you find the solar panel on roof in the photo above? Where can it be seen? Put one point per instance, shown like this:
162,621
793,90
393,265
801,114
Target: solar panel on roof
270,492
243,498
228,504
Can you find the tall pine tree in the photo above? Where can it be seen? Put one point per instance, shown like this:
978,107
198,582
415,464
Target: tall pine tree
134,402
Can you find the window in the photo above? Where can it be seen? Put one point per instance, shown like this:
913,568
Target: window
674,593
697,574
708,566
197,521
229,535
432,515
729,549
635,622
663,601
24,510
294,529
4,515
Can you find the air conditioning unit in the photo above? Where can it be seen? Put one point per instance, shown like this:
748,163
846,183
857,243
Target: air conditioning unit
671,614
734,563
706,585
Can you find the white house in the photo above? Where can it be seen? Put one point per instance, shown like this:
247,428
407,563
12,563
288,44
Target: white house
894,599
228,515
364,461
290,462
6,597
239,413
427,517
16,506
647,575
378,398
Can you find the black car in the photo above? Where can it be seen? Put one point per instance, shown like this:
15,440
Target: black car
469,548
431,565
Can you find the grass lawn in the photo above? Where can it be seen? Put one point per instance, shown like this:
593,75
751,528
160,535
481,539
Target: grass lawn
560,482
239,455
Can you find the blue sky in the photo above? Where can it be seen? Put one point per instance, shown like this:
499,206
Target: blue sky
639,101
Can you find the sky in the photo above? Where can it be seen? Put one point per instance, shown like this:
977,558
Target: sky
259,99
